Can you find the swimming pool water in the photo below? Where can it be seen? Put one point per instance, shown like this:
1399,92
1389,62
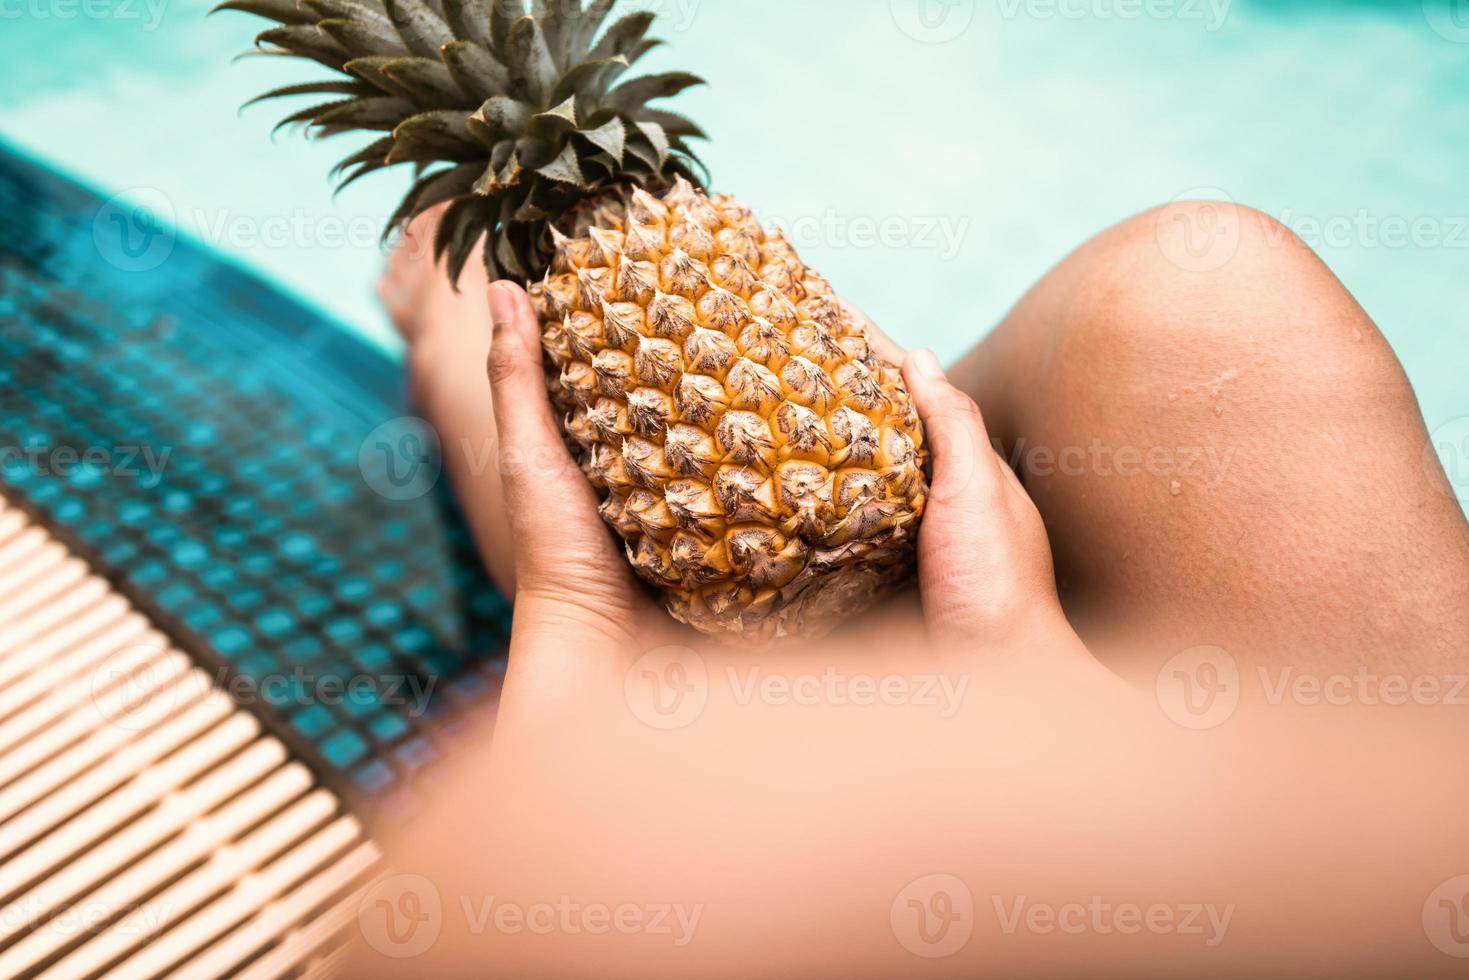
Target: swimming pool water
927,155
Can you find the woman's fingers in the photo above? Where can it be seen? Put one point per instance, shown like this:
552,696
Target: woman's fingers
559,536
578,609
543,484
518,386
966,470
984,562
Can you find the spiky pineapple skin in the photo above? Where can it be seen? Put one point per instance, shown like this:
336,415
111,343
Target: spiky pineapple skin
763,465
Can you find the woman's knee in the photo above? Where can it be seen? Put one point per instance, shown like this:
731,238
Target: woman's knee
1218,289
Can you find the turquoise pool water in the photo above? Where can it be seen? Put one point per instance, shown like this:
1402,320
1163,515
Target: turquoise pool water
927,155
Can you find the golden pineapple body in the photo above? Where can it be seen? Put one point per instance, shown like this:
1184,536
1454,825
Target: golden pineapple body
763,465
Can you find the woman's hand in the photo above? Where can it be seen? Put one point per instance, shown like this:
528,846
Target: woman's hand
543,539
984,561
573,584
985,575
534,515
581,617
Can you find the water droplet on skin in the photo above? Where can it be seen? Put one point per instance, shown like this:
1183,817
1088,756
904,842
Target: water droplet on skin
1217,385
1175,488
1218,409
1356,334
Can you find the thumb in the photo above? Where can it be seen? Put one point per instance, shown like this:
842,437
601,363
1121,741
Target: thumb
967,473
982,560
552,507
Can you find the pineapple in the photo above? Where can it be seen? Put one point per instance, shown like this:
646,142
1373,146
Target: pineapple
763,465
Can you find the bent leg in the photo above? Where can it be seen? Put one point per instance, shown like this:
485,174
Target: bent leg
1227,451
448,335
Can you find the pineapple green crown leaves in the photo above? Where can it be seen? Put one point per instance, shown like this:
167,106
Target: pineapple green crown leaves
517,119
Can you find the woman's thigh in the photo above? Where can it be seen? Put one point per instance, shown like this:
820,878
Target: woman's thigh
1227,452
